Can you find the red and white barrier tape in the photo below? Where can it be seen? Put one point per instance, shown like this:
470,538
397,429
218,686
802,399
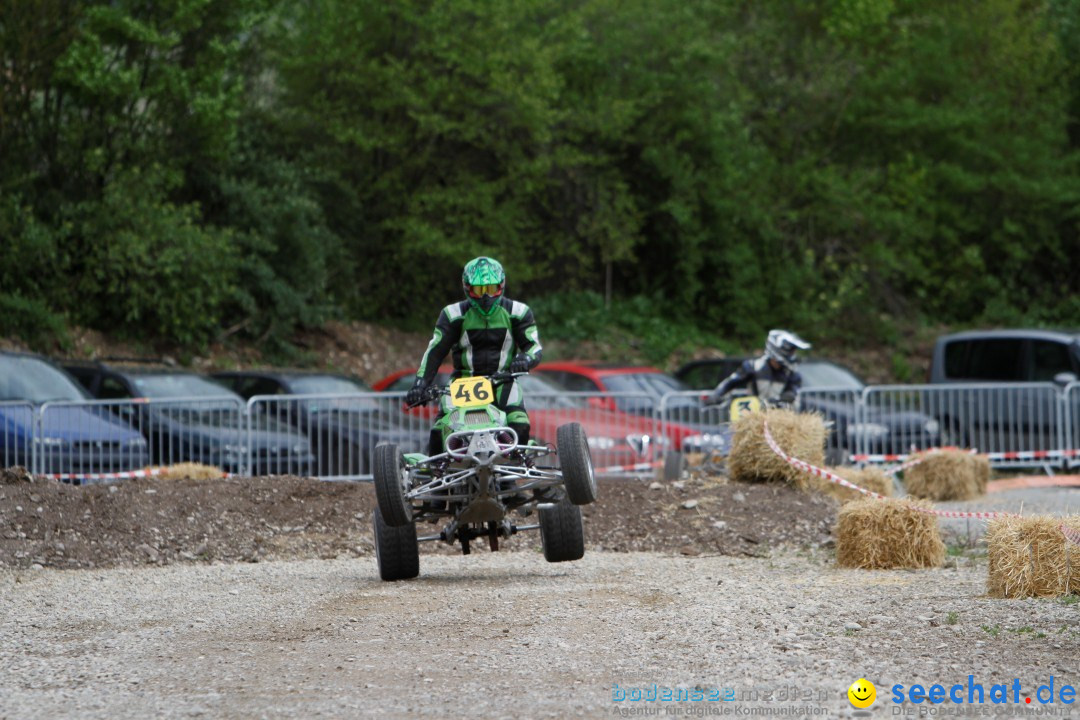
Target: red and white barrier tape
151,472
833,477
125,475
921,458
1072,535
629,468
1010,455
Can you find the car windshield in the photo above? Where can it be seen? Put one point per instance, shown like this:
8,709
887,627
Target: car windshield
827,375
36,381
325,385
178,385
656,384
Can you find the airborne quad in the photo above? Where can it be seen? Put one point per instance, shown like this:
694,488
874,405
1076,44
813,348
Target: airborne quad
482,477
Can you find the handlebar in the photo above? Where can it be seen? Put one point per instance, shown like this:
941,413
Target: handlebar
432,392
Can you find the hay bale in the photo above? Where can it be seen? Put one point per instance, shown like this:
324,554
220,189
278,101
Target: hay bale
1030,557
800,435
190,471
948,475
882,534
871,478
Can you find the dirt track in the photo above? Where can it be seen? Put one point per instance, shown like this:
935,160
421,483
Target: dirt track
504,635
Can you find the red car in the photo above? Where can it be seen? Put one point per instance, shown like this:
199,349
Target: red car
615,438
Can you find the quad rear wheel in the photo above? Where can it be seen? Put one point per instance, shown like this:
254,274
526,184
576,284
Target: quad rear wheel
396,549
576,461
562,532
390,485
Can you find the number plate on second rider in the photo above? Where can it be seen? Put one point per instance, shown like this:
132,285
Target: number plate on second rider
471,392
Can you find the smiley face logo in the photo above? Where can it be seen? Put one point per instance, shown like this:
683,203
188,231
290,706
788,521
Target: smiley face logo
862,693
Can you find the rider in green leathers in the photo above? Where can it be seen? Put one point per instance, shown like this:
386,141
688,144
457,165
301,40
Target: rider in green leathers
488,333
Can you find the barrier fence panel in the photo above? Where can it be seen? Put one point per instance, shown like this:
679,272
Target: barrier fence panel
1072,424
17,425
691,426
80,441
338,433
1015,424
846,431
621,443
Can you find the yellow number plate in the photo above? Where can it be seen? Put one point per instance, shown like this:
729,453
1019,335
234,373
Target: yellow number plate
471,392
744,405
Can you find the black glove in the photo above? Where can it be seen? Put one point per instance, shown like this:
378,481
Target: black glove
788,397
415,396
712,399
521,364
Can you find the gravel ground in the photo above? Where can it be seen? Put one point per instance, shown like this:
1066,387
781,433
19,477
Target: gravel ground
507,635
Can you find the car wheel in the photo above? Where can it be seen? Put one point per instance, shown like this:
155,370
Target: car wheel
390,479
577,467
396,550
562,532
674,464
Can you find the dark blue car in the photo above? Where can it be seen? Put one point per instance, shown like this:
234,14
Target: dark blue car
72,439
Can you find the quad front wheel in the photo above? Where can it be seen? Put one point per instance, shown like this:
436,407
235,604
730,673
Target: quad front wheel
577,467
396,549
390,476
561,532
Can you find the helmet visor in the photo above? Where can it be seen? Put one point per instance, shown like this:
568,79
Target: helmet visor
479,291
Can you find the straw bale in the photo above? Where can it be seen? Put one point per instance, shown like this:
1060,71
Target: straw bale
800,435
882,534
870,478
190,470
948,475
1030,557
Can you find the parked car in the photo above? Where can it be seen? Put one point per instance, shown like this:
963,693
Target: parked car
344,428
1017,414
73,439
644,386
615,438
188,418
833,390
1007,356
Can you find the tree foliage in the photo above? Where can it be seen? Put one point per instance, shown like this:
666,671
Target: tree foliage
191,169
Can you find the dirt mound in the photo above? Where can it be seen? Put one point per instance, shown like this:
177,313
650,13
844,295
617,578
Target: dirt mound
251,519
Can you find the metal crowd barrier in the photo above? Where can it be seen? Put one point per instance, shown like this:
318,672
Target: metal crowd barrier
621,442
339,431
97,437
333,436
1072,424
1021,424
18,444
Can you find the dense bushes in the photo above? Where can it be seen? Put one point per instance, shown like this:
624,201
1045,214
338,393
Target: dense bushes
189,170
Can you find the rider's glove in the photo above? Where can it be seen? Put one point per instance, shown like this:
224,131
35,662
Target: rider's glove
712,399
521,364
415,396
788,397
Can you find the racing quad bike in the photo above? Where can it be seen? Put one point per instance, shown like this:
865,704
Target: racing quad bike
481,478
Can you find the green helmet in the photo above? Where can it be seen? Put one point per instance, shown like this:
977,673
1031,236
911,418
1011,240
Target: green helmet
483,281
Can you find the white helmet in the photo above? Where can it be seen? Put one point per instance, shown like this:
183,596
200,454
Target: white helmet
783,347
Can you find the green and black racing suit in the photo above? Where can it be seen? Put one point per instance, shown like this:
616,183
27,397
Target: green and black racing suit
484,344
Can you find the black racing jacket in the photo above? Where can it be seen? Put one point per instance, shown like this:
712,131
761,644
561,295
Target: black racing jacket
761,379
